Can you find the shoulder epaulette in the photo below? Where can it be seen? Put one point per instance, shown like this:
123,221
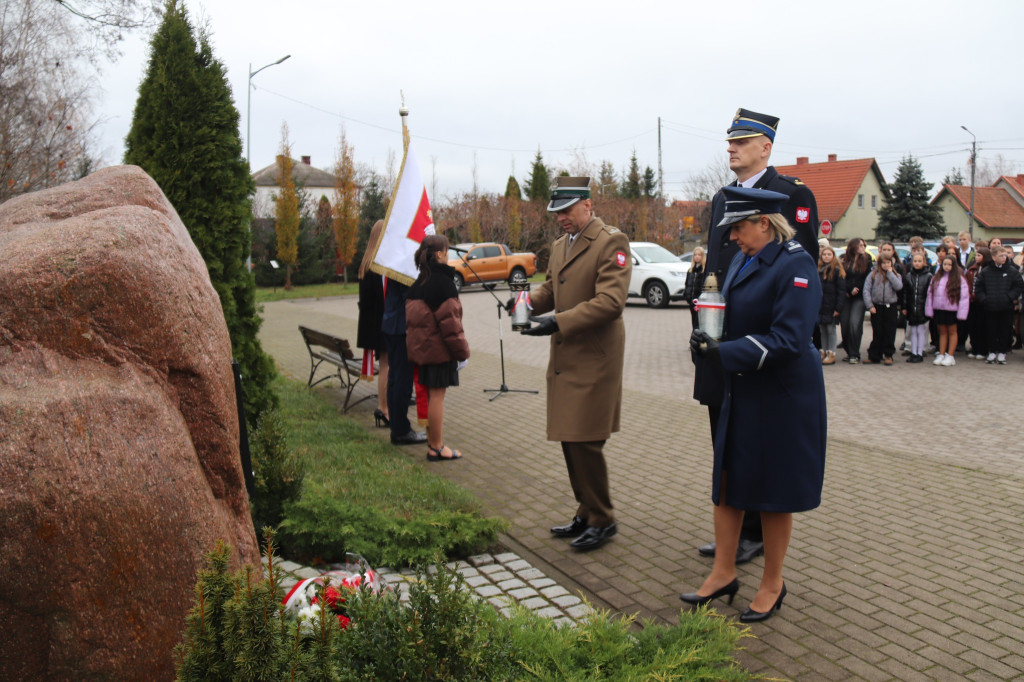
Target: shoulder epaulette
793,246
611,230
790,178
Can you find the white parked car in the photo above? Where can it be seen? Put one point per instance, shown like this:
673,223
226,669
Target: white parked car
658,275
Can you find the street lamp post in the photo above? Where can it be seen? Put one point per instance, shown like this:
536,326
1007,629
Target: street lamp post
248,105
974,163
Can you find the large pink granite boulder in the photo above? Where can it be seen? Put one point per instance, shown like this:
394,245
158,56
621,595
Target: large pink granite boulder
119,465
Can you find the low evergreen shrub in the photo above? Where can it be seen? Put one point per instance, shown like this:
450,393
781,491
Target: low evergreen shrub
238,630
278,472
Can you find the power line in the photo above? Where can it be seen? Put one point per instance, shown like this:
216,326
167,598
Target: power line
449,142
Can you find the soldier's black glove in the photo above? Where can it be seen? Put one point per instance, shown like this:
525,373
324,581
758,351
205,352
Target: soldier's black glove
703,345
546,326
510,304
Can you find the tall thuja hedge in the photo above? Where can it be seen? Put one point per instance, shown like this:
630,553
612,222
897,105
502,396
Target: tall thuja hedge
185,135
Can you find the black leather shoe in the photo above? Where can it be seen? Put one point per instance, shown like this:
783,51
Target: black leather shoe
593,537
729,591
571,530
411,438
748,550
745,551
752,616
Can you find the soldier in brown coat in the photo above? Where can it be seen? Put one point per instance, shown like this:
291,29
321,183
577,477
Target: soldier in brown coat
586,287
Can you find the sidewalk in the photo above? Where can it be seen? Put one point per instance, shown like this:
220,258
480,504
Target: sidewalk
910,570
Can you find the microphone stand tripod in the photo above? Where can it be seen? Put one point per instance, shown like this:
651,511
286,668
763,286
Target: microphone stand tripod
503,389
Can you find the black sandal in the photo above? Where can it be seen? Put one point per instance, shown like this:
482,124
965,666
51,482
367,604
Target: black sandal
436,456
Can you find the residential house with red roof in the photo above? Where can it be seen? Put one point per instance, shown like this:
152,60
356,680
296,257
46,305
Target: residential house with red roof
849,194
998,210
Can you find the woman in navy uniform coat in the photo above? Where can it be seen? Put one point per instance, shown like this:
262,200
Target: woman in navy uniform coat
764,462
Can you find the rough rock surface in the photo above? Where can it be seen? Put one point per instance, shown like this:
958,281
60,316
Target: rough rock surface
119,464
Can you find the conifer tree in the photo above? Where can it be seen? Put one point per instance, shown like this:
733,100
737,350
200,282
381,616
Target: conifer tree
184,134
650,183
373,206
346,205
513,197
954,177
286,210
538,186
512,190
607,183
632,187
907,212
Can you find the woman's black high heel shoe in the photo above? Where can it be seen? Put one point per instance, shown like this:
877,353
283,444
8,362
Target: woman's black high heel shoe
729,590
752,616
380,418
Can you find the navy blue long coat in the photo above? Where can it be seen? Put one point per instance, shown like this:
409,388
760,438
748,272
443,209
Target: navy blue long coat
771,434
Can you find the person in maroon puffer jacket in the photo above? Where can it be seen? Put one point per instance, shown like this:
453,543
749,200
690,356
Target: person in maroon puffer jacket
435,338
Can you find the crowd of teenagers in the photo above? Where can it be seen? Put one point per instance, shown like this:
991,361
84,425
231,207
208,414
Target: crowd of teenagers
967,302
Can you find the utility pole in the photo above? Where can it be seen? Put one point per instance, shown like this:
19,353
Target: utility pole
661,177
974,163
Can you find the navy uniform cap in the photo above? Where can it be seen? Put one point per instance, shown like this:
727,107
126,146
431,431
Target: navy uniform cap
568,191
743,202
748,123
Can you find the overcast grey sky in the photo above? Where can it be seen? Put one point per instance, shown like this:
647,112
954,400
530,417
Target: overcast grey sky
491,83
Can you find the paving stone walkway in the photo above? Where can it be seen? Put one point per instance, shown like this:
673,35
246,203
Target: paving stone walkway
911,569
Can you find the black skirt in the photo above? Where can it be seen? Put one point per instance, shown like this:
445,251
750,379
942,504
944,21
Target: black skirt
440,376
945,317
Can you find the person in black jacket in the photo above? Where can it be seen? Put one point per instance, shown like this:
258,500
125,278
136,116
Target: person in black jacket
997,289
857,263
750,139
833,300
694,282
371,313
915,295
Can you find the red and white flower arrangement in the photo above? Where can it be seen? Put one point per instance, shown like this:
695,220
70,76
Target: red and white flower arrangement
333,590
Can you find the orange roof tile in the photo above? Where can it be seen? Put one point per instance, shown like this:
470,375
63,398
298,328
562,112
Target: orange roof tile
1016,183
834,183
993,206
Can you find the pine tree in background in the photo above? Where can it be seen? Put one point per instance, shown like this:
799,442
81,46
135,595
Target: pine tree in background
954,177
633,186
286,209
538,186
373,206
607,183
512,190
907,212
513,197
650,183
184,134
346,205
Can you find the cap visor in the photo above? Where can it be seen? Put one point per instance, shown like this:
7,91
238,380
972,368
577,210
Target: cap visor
741,133
732,218
561,204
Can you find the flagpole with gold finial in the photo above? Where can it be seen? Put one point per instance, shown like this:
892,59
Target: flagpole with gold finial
403,111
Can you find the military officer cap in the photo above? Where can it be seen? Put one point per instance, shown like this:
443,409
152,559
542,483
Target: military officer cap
743,202
567,192
748,123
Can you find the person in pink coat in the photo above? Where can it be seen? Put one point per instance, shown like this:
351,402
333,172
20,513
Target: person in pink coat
948,301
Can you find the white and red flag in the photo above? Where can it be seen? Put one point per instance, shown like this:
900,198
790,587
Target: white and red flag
408,221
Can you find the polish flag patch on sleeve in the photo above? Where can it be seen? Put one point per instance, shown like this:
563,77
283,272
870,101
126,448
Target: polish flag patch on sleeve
800,282
803,214
620,260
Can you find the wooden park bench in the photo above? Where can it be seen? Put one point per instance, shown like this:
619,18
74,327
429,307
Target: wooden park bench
336,352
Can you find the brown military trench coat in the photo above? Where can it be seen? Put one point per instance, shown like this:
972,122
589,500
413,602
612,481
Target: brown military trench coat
587,290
